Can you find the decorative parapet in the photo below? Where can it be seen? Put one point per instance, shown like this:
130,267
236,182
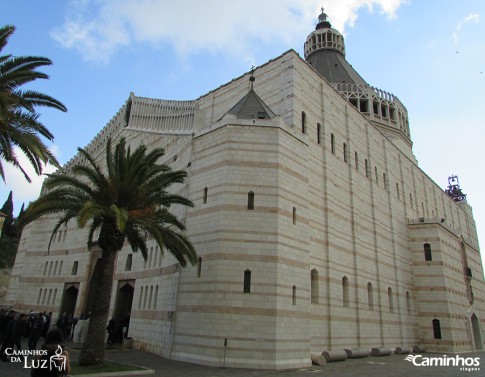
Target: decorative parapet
376,104
162,116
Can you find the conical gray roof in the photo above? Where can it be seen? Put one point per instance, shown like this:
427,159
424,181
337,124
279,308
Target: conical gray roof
251,107
332,65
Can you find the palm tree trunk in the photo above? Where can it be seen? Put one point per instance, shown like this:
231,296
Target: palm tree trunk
92,351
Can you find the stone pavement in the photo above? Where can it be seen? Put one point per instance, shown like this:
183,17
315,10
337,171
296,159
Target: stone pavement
386,366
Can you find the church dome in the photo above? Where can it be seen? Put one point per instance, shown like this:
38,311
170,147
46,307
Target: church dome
325,52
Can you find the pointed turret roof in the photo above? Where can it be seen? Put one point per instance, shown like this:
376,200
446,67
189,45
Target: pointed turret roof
251,106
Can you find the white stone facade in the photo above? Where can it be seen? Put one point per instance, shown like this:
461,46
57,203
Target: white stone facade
334,246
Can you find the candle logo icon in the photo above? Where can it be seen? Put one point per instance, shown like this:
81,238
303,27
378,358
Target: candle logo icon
58,361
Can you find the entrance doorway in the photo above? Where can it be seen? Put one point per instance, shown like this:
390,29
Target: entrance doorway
477,334
69,298
122,310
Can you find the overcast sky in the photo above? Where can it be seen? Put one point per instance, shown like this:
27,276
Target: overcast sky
429,53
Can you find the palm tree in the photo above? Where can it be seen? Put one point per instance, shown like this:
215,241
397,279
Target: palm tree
127,202
19,122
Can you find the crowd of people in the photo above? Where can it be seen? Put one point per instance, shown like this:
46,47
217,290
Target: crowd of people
15,325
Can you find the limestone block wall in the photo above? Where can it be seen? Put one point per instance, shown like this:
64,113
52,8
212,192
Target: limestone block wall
441,290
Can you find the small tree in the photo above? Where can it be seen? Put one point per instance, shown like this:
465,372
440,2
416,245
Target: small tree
128,202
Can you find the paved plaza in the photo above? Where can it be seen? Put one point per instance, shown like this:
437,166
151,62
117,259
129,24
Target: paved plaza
386,366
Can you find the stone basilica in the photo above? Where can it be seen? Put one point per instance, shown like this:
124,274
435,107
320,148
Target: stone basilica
315,227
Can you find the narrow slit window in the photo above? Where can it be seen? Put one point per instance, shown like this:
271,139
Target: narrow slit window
199,267
356,161
128,263
345,152
391,299
408,302
294,295
251,200
370,296
205,195
332,143
436,329
345,291
427,252
319,133
247,281
294,215
303,122
314,294
74,268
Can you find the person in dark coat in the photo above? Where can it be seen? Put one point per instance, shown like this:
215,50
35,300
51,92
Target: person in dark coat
8,334
18,331
37,326
111,332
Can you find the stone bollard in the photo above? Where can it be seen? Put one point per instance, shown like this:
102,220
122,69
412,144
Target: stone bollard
356,353
334,355
419,348
317,358
380,351
402,350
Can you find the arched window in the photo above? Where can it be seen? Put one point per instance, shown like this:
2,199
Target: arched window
150,297
60,268
50,268
345,291
303,122
40,296
294,295
49,297
204,200
370,296
250,200
427,252
43,296
391,299
45,268
294,215
129,261
436,329
314,287
247,281
159,253
155,301
54,298
332,143
145,298
150,257
74,268
140,298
